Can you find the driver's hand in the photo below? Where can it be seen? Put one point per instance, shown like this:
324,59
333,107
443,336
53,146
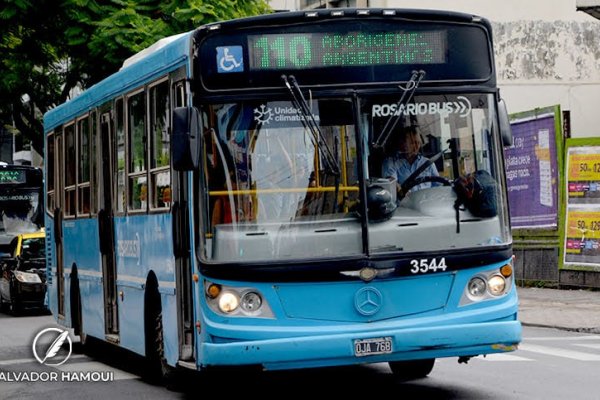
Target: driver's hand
399,191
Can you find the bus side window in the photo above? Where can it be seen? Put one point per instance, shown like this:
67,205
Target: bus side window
119,168
136,132
160,175
70,170
83,176
50,174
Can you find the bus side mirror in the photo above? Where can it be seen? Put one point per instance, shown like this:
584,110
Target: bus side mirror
505,130
185,140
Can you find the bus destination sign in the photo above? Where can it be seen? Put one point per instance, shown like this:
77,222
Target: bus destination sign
12,176
349,49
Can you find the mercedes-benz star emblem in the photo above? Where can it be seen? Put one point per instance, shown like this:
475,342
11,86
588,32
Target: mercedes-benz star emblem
367,300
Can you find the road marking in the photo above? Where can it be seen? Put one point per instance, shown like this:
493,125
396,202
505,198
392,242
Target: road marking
594,337
30,360
553,351
94,366
589,345
502,357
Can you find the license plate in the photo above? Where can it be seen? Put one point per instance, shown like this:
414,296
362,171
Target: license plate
369,347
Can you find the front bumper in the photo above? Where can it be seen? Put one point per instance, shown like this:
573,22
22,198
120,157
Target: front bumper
338,349
29,294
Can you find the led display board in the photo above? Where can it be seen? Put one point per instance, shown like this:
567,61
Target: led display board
351,49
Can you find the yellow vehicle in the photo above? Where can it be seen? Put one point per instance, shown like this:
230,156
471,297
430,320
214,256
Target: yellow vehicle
23,272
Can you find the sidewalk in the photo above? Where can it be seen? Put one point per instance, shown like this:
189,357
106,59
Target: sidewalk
573,310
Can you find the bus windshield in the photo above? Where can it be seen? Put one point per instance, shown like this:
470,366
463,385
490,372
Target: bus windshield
270,193
20,200
271,196
434,145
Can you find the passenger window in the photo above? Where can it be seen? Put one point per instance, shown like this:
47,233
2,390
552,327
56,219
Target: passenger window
50,174
159,127
83,185
70,163
138,181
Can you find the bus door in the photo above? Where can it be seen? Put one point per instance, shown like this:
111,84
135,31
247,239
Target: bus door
181,245
59,179
106,228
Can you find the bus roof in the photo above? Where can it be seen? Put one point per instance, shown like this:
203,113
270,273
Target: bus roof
337,13
142,68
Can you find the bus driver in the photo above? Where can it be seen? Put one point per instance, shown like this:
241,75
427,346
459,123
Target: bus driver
407,160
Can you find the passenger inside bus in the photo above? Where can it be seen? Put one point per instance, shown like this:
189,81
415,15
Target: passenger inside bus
224,212
408,160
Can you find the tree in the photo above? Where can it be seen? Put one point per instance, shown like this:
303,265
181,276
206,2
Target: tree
49,47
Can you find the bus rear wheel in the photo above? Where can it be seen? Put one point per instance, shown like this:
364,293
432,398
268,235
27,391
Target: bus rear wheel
77,312
413,369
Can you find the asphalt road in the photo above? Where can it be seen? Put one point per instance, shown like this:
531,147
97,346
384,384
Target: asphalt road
550,364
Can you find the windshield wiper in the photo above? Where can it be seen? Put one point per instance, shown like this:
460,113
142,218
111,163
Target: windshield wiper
330,162
407,95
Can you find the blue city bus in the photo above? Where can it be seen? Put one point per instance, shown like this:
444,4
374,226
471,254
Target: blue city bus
225,199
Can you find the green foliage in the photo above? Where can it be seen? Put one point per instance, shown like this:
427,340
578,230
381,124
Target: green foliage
49,47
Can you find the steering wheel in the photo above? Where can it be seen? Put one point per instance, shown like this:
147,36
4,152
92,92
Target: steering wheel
410,182
415,181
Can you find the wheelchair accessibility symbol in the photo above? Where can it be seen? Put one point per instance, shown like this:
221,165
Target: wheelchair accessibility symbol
230,59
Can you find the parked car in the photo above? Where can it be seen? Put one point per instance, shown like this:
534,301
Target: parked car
23,273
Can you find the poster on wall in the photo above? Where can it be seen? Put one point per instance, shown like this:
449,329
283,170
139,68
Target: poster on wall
583,175
582,239
582,235
532,173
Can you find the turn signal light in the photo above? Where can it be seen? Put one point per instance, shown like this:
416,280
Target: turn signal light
506,270
213,290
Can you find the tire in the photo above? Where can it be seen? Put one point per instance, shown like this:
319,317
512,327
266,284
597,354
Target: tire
76,311
413,369
157,370
166,371
83,339
14,308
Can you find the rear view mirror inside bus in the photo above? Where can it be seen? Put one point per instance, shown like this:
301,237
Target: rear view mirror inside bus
185,139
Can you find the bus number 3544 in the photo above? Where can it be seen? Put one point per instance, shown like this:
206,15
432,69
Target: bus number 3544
424,265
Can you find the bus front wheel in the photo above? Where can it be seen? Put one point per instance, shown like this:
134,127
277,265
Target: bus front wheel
413,369
157,369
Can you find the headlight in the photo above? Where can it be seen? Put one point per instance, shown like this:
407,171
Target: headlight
476,287
488,285
236,301
251,301
496,285
228,302
27,277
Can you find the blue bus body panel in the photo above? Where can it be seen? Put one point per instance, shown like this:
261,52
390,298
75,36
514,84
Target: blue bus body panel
339,303
144,244
318,324
82,250
152,66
